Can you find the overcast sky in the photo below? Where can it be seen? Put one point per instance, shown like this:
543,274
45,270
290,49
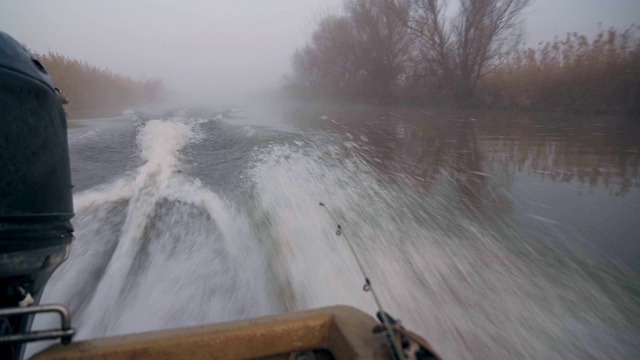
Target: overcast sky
228,45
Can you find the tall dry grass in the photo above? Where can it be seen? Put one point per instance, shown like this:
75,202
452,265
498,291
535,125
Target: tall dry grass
96,92
576,74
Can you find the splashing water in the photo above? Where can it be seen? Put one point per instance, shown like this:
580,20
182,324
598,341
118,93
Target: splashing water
474,293
157,248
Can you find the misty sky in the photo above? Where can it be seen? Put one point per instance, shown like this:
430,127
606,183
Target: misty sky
215,47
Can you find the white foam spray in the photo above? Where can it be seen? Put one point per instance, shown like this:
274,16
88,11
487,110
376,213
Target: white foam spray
157,249
473,293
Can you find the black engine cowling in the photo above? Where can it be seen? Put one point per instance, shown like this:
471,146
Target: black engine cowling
35,182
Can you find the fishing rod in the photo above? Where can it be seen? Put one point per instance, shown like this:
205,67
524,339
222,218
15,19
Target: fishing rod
394,341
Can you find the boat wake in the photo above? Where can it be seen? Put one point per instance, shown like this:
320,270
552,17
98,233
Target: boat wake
156,248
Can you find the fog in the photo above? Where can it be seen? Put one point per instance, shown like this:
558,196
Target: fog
213,49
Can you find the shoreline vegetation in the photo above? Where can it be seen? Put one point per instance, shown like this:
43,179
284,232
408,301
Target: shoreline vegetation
95,92
418,53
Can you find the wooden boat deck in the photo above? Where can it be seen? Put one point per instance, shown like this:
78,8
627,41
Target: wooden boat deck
345,332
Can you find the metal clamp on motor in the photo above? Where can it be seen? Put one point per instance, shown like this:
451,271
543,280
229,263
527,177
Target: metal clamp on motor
65,333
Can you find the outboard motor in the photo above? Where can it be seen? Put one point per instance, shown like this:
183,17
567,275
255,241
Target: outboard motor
35,195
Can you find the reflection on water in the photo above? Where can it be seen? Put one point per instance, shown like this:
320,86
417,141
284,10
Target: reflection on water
568,181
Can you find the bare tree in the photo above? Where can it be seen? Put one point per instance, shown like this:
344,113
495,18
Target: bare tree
383,44
461,51
375,46
329,65
482,30
434,44
305,81
359,55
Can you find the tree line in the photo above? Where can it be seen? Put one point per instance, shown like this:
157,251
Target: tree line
429,52
97,92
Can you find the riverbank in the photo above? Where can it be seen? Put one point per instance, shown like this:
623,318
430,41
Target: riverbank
425,60
95,92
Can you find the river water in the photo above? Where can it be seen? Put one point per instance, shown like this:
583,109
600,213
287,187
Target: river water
494,235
